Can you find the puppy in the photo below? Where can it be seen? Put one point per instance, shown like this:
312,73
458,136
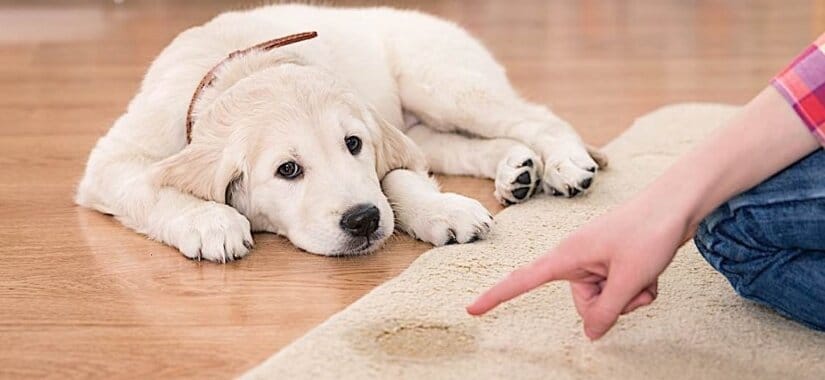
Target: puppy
327,141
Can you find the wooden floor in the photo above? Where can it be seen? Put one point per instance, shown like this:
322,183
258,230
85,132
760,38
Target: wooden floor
81,296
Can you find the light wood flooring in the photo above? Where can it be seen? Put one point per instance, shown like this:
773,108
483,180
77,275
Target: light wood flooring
81,296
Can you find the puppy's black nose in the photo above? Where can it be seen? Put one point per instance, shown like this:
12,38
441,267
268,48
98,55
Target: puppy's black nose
361,220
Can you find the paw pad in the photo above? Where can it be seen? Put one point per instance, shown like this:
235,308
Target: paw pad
523,178
517,178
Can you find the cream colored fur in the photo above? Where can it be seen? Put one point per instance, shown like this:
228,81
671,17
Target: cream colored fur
373,73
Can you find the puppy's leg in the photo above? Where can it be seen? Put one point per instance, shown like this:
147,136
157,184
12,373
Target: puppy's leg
514,167
425,213
451,83
481,110
119,182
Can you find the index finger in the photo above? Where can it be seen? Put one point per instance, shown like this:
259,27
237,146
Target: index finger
552,266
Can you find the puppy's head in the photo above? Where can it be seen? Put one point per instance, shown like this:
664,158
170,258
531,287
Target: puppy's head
298,154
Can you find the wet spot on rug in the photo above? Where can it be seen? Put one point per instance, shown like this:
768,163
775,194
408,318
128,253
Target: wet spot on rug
420,340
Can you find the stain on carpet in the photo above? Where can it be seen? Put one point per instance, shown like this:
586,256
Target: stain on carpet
423,340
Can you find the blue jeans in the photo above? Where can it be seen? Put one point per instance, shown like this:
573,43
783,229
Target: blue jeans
770,241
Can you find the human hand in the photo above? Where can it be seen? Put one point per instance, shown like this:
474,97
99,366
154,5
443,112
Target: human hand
612,263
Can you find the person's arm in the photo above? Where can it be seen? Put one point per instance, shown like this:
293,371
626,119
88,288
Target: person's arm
766,137
614,261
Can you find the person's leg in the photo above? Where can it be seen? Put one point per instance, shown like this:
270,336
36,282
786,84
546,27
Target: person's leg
770,241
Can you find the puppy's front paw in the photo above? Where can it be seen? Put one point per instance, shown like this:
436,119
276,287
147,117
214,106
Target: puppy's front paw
569,169
448,218
212,231
517,176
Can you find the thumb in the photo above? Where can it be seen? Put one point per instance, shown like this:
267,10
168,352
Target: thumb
603,313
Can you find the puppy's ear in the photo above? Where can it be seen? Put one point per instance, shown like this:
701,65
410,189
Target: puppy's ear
598,156
393,149
201,170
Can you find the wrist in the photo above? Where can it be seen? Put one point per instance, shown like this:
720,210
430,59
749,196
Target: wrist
671,204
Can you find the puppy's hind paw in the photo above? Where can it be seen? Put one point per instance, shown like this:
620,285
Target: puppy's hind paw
570,170
518,176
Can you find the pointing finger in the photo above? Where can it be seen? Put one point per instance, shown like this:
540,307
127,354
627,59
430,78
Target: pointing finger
550,267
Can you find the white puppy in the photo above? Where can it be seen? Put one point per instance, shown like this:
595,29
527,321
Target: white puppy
307,140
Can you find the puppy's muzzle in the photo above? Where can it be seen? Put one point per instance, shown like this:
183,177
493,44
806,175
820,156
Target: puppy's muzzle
361,220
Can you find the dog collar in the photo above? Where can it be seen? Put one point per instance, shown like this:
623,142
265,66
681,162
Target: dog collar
210,75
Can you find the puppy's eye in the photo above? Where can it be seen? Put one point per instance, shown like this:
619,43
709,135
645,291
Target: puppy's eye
353,144
290,170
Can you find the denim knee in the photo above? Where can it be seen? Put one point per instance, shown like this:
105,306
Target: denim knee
725,241
782,279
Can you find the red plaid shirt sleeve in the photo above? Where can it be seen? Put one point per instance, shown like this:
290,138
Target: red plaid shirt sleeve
802,84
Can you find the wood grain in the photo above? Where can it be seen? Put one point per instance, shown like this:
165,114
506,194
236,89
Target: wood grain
81,296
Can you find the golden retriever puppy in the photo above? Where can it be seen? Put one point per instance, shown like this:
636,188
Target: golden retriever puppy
326,141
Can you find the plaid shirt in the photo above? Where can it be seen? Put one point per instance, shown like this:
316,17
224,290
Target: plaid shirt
802,84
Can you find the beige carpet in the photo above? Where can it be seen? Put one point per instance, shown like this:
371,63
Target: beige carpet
415,327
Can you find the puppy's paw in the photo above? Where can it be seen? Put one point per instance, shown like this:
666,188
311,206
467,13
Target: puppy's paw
213,232
448,218
517,176
568,169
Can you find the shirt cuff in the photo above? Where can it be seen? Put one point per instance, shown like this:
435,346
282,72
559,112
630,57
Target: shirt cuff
802,84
